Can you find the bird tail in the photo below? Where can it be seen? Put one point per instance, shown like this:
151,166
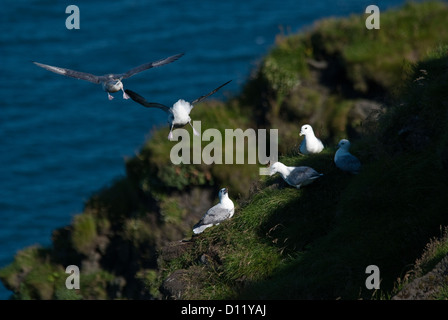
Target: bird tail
317,176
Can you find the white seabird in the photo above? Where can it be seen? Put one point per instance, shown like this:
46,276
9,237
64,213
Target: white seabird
110,82
311,144
178,114
215,215
344,160
295,176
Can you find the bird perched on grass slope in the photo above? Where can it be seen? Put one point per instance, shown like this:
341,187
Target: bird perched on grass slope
311,144
178,114
215,215
344,160
295,176
111,82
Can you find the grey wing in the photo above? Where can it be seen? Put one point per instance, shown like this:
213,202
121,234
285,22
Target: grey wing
138,98
149,65
209,94
349,163
302,174
215,215
70,73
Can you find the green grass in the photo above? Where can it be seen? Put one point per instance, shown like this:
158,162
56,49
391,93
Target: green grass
272,229
377,56
315,243
32,275
84,232
435,250
359,63
155,174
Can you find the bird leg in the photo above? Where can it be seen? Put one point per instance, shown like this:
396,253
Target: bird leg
194,130
170,135
125,95
109,96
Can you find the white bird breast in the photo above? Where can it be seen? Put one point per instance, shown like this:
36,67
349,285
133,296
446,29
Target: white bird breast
181,112
112,86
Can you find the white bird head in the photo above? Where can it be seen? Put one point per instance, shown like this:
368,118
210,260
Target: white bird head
306,129
223,193
344,144
274,168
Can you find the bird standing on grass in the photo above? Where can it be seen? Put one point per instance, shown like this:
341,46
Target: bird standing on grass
111,82
215,215
344,160
311,144
178,114
295,176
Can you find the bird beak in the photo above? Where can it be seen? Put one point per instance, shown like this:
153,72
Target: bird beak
300,134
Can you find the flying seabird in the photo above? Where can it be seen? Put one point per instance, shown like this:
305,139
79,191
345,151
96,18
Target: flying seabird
215,215
344,160
178,114
295,176
311,144
111,82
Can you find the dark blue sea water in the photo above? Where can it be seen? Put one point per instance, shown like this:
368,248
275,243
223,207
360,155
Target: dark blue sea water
61,139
